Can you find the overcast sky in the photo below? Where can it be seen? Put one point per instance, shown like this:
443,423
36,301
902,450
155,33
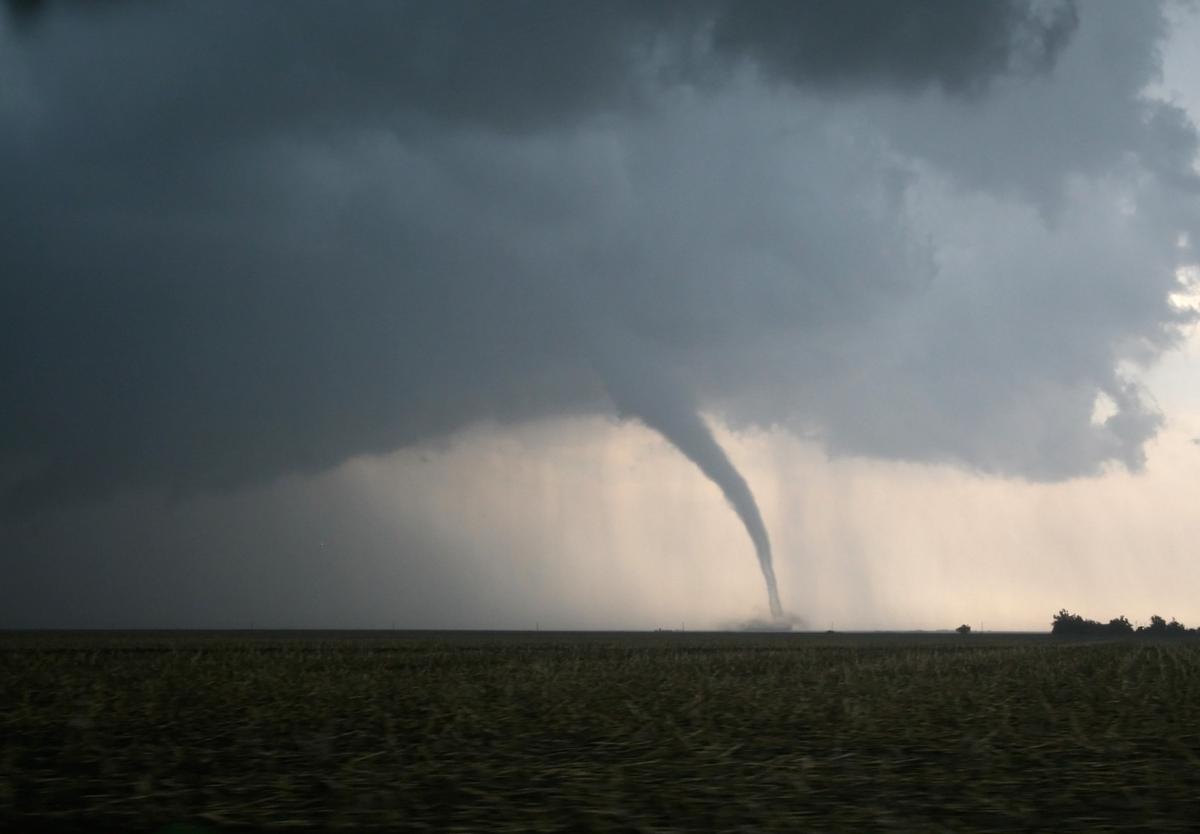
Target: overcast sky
448,314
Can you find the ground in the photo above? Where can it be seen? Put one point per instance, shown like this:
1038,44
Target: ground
193,731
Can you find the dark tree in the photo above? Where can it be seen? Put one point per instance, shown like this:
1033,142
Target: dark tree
1120,625
1066,623
1072,625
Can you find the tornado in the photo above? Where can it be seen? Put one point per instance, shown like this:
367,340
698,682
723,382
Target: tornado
652,398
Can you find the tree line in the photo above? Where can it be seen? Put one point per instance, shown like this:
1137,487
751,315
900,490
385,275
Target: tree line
1072,625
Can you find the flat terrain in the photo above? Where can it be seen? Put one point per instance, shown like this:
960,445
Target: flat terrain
596,732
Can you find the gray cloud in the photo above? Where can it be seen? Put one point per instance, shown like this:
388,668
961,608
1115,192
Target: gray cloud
516,65
242,241
960,47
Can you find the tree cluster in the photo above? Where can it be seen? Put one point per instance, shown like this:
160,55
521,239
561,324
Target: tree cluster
1072,625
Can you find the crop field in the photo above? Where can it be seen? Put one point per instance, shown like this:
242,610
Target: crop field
596,732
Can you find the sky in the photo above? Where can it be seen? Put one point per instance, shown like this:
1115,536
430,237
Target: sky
598,315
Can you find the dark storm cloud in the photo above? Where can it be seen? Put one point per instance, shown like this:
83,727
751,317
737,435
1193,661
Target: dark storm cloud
247,239
514,65
961,46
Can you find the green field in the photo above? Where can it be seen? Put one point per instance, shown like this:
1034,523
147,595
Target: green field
597,732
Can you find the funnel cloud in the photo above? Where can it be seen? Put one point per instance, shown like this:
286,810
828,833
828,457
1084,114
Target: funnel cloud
640,390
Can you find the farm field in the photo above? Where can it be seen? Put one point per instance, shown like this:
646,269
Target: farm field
472,731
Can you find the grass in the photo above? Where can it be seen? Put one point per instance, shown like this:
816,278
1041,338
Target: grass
597,732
